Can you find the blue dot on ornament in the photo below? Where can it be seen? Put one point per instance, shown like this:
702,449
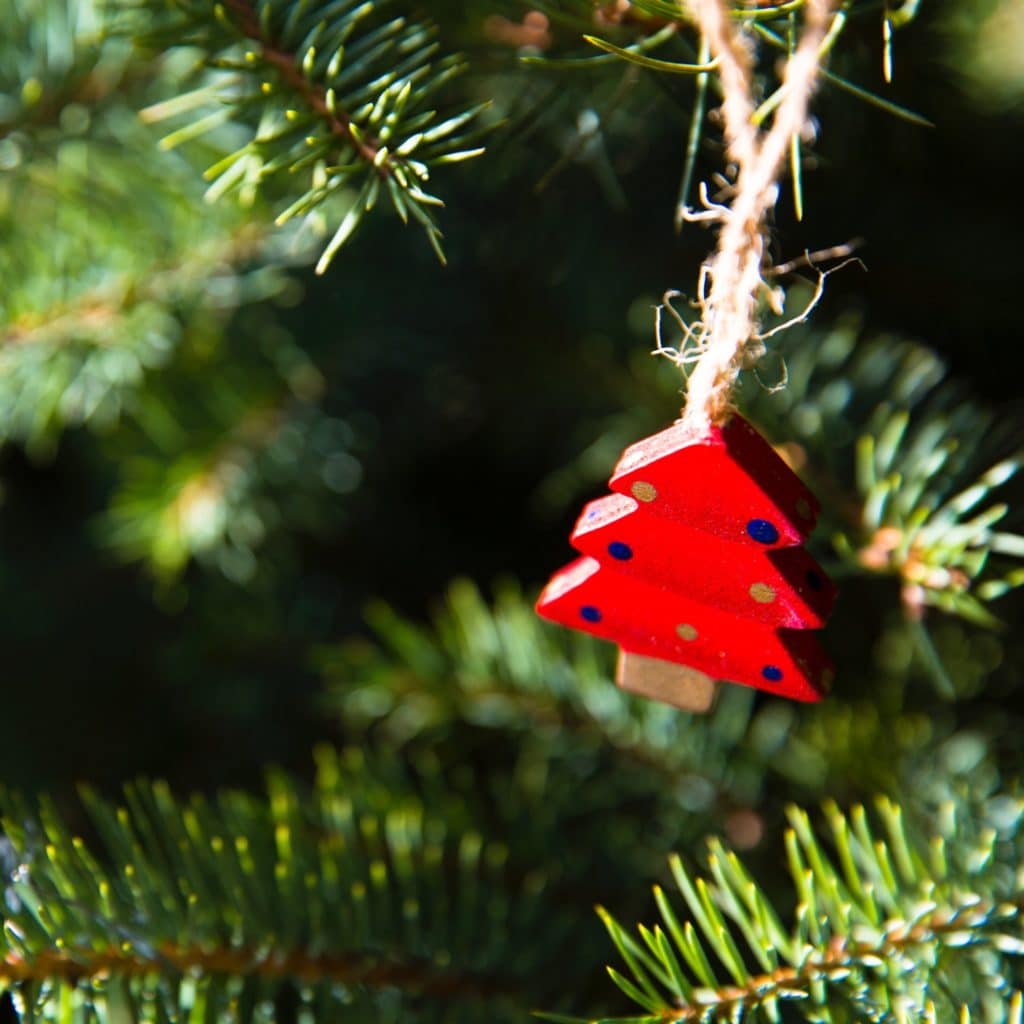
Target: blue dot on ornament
623,552
772,673
590,613
762,531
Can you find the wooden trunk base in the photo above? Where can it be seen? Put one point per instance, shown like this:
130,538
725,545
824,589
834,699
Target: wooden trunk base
684,688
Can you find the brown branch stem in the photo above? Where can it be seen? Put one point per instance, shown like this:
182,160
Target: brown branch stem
287,66
346,968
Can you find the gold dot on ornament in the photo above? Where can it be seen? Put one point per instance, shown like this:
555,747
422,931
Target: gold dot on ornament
686,632
762,593
643,491
803,509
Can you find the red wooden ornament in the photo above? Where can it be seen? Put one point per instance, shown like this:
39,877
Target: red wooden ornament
697,561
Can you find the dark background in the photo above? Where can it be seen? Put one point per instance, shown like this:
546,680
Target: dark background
469,385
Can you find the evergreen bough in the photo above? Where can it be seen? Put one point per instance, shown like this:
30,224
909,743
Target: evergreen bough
402,884
340,94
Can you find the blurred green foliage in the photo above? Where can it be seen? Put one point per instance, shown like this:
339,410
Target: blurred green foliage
234,494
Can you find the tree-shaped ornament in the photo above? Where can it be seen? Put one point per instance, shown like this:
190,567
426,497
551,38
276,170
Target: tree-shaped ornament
696,569
695,566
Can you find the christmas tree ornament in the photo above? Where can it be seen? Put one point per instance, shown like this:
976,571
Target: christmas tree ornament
696,568
695,565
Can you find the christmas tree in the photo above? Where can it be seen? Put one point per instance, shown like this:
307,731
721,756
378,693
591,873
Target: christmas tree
285,739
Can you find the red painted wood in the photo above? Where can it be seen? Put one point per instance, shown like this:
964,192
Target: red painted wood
625,537
717,483
653,622
698,561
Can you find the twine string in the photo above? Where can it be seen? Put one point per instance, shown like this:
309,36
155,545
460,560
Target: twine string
727,332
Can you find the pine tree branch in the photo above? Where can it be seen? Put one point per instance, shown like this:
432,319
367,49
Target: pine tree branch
286,63
896,939
313,889
109,258
556,687
932,473
328,89
100,316
882,921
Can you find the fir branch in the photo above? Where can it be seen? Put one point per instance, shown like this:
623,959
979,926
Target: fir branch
310,889
897,940
501,679
123,296
286,63
332,90
101,316
222,485
503,667
933,471
109,258
882,922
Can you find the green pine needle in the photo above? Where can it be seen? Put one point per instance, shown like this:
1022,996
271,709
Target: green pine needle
871,927
188,904
341,95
